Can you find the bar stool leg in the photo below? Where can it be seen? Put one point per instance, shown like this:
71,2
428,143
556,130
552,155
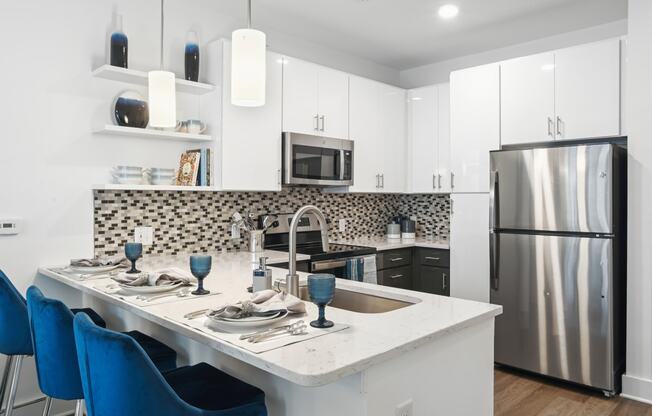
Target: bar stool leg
79,408
48,405
5,378
14,386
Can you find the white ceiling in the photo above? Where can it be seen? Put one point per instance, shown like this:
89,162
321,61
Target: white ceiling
404,34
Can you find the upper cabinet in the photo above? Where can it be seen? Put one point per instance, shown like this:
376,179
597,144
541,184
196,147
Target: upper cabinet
528,99
377,127
315,99
587,90
241,129
475,126
429,139
571,93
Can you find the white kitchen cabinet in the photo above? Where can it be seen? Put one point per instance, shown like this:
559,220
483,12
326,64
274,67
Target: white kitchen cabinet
423,109
444,139
475,126
393,130
469,247
365,133
315,99
587,90
429,139
571,93
247,150
378,130
527,99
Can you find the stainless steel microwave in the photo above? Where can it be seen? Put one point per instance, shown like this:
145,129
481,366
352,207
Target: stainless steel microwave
316,160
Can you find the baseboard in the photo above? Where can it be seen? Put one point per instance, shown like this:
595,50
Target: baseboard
636,388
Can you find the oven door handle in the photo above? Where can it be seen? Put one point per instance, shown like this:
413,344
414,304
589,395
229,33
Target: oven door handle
319,266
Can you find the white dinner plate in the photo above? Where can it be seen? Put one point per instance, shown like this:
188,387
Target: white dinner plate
92,269
139,290
237,325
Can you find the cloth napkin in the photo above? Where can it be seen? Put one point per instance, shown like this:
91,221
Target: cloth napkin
121,261
263,303
157,278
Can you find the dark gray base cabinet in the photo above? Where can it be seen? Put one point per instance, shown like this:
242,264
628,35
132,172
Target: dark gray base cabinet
421,269
433,280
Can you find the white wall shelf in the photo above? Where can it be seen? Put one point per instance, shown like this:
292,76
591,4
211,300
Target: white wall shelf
133,76
120,187
152,134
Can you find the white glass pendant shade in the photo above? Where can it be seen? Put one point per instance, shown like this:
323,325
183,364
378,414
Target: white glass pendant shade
162,99
248,68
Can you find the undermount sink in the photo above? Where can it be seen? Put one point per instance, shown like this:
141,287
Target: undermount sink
361,302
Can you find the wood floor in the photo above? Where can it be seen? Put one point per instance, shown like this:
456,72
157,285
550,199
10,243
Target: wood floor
517,394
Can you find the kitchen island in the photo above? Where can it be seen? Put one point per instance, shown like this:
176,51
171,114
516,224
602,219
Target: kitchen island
434,355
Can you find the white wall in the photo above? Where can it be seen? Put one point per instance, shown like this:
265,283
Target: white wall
49,105
637,382
439,72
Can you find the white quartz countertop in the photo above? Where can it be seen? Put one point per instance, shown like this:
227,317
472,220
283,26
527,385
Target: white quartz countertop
370,338
384,243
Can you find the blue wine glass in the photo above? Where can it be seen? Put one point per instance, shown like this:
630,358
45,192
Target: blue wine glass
200,267
321,289
133,251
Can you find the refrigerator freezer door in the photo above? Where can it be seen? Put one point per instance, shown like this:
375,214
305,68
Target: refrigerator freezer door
556,296
561,189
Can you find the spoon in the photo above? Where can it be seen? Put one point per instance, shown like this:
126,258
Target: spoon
185,292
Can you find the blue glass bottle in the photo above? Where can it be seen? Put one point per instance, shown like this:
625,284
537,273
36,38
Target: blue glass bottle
119,45
192,57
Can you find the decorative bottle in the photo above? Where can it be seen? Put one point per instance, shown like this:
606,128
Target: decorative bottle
192,57
119,45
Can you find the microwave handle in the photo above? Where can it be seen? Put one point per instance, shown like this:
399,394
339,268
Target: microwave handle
342,164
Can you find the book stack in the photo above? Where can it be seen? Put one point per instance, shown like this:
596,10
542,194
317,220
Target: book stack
195,168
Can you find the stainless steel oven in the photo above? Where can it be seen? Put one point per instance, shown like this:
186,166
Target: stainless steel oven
316,160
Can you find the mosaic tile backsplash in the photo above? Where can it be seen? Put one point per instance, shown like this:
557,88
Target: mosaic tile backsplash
201,221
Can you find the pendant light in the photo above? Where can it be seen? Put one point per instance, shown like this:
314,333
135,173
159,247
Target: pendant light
162,92
248,65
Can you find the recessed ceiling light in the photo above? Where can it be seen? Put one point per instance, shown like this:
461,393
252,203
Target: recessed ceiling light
448,11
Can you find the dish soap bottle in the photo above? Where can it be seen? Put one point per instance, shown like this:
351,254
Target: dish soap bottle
262,276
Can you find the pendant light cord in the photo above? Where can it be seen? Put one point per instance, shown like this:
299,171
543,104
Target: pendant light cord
163,28
248,14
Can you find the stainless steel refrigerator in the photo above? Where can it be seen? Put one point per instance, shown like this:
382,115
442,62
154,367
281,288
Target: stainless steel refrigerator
557,249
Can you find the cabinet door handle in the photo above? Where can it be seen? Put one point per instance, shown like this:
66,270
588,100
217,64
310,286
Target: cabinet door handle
434,181
550,123
377,181
443,282
382,181
396,259
316,118
432,258
452,180
278,176
439,181
559,126
396,276
323,122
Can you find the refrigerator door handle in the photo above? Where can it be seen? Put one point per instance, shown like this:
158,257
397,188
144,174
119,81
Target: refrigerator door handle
494,248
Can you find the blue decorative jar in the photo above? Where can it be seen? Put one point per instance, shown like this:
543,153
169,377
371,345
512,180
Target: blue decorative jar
119,45
192,57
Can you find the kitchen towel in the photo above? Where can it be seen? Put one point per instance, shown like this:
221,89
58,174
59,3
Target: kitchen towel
370,274
354,269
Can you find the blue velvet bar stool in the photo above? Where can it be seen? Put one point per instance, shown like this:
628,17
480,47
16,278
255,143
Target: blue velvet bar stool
15,337
55,355
119,379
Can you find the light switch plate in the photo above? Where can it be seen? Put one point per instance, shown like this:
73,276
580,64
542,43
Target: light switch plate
342,225
10,226
144,235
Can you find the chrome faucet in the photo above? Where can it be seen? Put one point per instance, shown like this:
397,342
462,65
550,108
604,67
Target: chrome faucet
292,279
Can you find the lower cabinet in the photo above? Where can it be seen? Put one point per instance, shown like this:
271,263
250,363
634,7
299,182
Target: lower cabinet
433,280
420,269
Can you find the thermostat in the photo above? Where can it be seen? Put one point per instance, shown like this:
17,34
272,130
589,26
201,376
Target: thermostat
9,226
